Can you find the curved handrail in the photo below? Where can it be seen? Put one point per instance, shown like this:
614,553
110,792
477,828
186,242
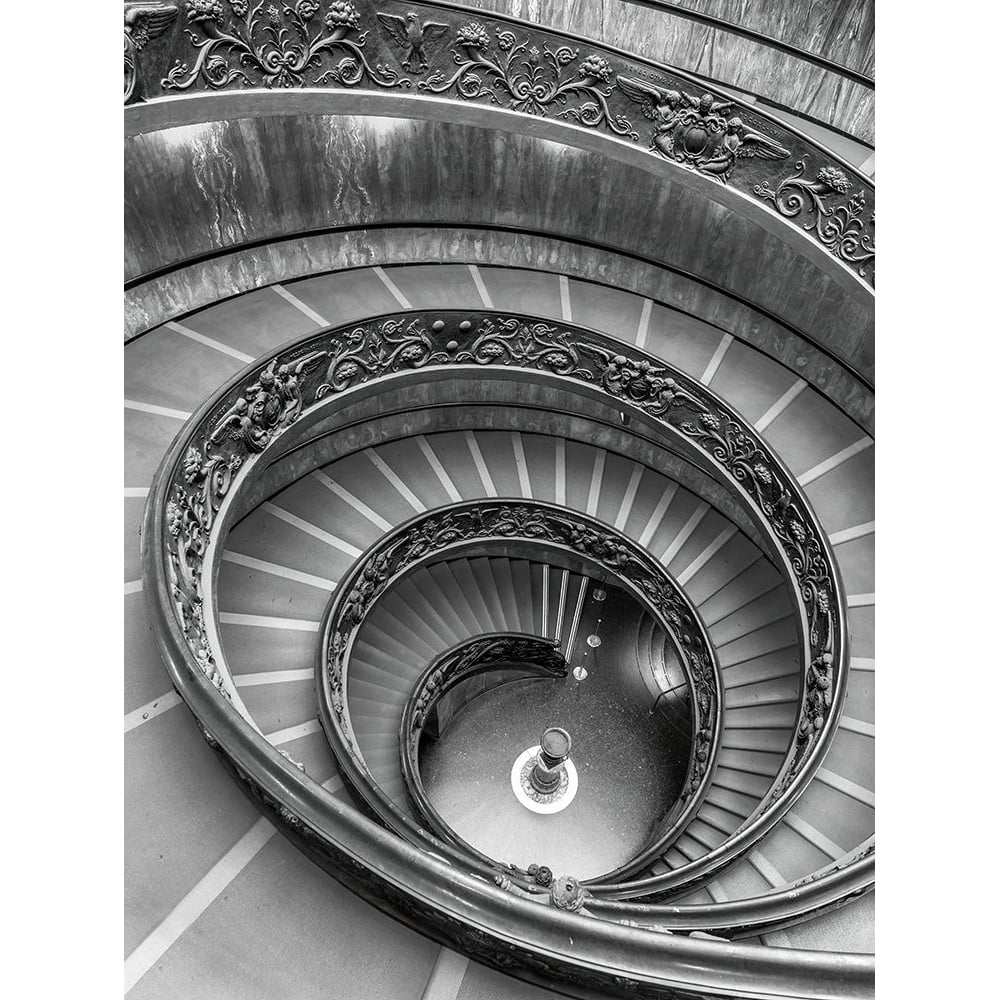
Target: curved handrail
836,885
490,651
428,894
446,532
520,67
731,28
233,430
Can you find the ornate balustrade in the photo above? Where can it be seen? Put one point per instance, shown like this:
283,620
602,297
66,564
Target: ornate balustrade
441,51
215,456
449,531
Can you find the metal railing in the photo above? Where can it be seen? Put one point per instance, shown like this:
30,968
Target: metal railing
215,456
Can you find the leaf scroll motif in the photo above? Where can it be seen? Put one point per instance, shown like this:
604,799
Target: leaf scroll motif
263,408
730,444
276,394
190,513
535,345
368,352
534,81
842,228
272,43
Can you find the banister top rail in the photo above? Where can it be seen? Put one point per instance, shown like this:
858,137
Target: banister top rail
730,27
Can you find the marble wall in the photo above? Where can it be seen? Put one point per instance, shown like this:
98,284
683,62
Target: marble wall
200,190
840,30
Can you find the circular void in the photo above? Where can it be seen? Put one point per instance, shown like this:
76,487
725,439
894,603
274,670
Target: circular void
542,802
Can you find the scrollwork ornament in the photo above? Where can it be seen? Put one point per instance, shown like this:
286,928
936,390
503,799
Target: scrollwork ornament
537,345
281,44
368,352
190,513
246,420
272,43
536,81
841,227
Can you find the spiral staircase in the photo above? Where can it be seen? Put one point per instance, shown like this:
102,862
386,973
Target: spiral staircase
442,338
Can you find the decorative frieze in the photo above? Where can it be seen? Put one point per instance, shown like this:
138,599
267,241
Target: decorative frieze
437,51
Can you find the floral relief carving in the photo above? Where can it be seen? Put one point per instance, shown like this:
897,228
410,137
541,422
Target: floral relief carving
275,394
330,43
516,73
370,351
271,43
190,513
841,228
262,409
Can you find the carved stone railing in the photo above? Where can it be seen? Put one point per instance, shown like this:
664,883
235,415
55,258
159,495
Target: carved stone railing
445,533
193,494
528,654
438,50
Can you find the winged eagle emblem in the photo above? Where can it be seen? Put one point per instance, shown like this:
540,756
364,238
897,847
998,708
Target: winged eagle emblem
410,35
